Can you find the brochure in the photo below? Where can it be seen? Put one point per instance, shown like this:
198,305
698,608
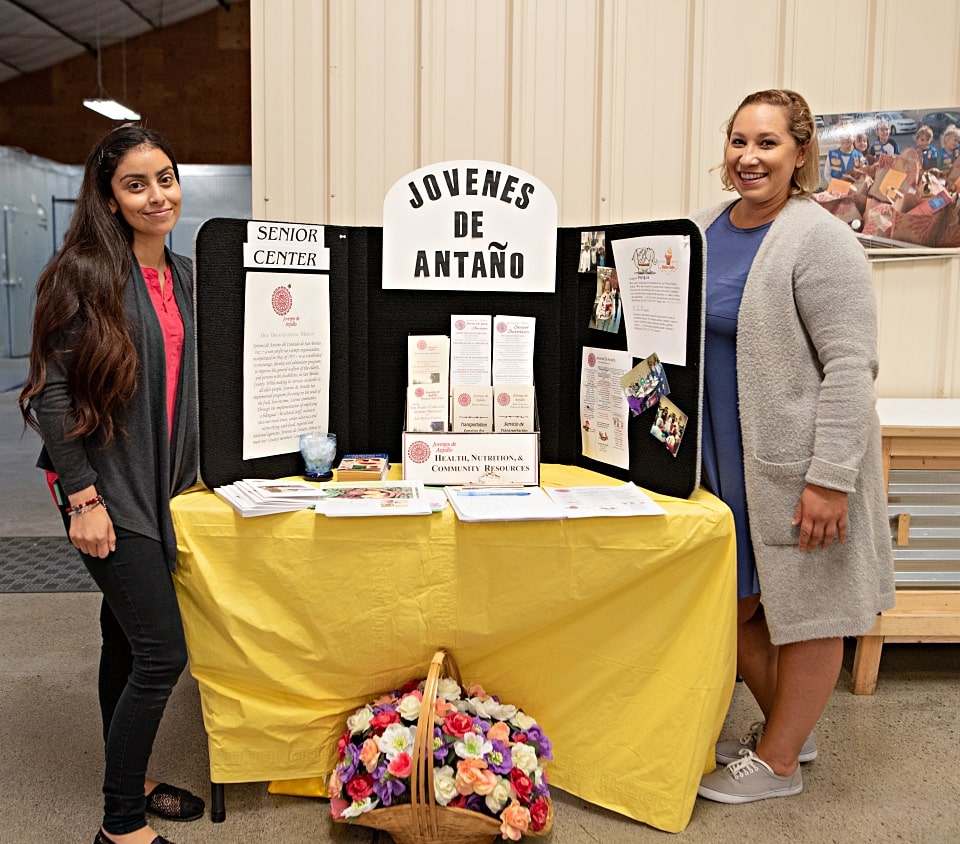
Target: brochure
584,502
502,504
259,497
373,498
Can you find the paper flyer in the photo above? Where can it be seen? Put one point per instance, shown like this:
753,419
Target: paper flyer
513,349
654,279
472,409
603,406
514,408
286,360
427,406
471,349
428,359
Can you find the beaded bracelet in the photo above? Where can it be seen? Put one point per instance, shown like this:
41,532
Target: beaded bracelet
86,507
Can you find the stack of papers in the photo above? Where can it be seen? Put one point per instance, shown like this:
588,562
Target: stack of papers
258,497
501,504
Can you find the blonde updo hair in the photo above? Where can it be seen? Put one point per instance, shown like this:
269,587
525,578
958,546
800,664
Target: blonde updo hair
800,123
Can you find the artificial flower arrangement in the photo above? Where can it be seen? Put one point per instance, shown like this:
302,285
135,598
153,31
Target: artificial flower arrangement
487,757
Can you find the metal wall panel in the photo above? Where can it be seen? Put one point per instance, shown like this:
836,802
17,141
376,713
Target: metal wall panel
618,105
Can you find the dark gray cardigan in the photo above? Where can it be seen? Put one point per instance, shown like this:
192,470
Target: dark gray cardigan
142,468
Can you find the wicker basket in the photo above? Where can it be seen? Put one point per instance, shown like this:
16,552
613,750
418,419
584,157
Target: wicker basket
423,821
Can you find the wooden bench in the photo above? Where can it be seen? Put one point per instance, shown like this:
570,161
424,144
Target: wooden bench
917,434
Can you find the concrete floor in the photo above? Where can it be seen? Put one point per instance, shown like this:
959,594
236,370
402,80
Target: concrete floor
889,766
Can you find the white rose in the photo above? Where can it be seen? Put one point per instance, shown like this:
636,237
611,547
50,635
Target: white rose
360,720
409,708
447,689
522,721
444,785
356,809
489,708
499,797
524,757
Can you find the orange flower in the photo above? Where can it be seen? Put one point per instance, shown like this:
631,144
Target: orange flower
474,778
369,754
514,821
501,732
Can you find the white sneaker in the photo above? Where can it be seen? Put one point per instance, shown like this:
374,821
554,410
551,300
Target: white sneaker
729,751
747,780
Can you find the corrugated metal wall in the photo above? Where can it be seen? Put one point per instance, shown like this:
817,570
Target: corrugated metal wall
616,104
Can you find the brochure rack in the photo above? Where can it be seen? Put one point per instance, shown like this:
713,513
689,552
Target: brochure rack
369,328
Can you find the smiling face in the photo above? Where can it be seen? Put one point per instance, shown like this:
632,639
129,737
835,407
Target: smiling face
146,193
761,156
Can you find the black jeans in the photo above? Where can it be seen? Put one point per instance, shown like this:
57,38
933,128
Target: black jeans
143,654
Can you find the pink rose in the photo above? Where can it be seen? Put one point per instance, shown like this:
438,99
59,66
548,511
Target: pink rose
360,787
400,766
500,732
514,821
342,743
442,708
337,805
369,753
476,690
458,724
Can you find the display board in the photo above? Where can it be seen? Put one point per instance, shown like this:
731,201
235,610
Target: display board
368,342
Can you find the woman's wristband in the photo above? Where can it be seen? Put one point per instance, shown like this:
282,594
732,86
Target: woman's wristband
86,507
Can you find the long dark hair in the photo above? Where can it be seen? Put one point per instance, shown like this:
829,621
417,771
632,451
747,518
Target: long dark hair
79,312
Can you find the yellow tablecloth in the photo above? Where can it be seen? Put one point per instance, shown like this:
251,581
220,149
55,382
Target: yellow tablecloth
616,634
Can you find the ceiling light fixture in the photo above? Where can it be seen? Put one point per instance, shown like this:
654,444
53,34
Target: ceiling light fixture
107,106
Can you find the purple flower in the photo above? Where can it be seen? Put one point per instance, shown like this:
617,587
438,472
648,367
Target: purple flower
387,789
477,803
498,759
535,736
351,758
440,749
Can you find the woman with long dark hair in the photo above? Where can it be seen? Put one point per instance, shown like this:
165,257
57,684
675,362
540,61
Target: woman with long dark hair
111,391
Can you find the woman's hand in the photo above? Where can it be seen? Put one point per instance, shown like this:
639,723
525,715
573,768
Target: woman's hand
92,532
822,516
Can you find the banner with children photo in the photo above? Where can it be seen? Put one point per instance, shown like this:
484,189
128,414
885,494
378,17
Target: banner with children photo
893,176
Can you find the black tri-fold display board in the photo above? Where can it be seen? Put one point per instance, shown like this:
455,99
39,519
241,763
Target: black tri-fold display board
369,327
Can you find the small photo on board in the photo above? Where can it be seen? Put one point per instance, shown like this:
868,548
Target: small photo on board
606,302
645,384
593,251
669,425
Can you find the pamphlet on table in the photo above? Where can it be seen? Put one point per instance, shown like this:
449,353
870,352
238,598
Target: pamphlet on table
502,504
375,498
582,502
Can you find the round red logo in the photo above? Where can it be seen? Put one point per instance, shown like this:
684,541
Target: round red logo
421,344
501,327
282,301
591,359
418,392
460,325
463,399
503,399
418,451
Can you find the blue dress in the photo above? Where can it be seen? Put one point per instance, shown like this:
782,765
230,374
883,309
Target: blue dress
730,254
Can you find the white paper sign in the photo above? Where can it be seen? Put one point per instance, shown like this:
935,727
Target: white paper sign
654,276
470,225
285,246
603,406
286,360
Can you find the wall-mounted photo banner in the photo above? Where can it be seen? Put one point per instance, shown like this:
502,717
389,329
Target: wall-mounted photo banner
470,225
893,177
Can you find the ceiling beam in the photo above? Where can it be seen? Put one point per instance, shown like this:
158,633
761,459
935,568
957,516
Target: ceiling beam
88,47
